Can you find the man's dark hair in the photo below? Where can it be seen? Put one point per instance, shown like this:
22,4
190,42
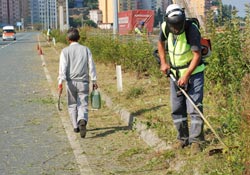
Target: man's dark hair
73,34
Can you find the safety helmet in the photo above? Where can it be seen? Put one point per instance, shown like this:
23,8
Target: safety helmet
175,18
142,23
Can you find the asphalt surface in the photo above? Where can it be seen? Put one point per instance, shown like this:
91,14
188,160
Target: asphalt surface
32,138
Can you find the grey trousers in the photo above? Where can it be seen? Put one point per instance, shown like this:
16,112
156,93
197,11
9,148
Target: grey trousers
77,93
181,107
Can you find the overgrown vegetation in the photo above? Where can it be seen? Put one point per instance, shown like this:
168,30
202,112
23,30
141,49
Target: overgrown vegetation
227,80
134,92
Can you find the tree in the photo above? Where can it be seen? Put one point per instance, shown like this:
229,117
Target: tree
158,17
90,23
92,4
246,38
215,3
75,22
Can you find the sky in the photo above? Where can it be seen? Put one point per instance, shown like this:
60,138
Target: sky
239,4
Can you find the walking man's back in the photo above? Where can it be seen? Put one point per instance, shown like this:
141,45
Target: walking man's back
77,68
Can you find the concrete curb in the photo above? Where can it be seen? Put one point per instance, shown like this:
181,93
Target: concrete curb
147,135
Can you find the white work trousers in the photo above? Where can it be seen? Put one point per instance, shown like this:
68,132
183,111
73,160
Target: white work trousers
77,93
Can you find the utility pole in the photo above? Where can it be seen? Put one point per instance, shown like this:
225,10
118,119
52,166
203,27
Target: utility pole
67,15
48,13
115,23
8,11
56,17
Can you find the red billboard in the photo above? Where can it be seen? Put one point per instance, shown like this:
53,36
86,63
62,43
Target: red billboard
128,20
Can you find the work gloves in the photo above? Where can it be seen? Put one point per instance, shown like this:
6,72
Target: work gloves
60,88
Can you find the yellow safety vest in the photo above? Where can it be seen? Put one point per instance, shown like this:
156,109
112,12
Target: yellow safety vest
138,31
180,54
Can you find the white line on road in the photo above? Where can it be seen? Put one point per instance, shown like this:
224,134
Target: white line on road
7,45
14,41
74,142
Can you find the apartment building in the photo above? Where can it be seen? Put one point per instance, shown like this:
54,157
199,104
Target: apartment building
96,16
198,8
148,4
42,12
48,13
78,3
24,12
10,12
34,12
125,5
106,7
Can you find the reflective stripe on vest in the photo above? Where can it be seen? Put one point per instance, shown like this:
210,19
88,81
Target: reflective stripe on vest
180,53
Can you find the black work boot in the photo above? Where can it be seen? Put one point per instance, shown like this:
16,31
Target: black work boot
82,128
76,130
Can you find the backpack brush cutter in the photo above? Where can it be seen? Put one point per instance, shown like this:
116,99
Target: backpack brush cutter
171,75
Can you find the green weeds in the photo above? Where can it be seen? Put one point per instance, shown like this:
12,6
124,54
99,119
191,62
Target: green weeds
134,92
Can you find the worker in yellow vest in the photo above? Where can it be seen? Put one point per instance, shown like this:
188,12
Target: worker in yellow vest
185,63
49,34
139,29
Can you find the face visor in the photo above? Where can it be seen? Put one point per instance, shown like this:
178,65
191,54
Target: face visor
175,19
176,24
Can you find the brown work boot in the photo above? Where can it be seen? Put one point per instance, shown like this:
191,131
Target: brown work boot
195,148
82,128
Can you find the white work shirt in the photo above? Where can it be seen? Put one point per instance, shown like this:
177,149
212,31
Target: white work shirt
76,63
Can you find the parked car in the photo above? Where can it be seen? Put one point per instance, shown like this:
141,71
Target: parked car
8,33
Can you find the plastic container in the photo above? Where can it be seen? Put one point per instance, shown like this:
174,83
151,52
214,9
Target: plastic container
95,99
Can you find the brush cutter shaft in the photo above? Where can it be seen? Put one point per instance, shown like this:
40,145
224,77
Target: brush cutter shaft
196,108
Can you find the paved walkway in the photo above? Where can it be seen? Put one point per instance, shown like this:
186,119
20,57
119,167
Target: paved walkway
32,138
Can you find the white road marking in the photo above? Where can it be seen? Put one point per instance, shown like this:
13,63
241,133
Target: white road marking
14,41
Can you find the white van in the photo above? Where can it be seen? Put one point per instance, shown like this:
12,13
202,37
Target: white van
9,33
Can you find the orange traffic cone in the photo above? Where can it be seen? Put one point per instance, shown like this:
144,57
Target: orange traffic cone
40,51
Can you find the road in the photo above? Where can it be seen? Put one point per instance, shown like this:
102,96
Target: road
32,139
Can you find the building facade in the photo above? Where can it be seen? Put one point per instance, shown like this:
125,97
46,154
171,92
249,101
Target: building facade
78,3
29,13
150,5
48,13
199,8
125,5
34,13
96,16
106,7
10,12
25,12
